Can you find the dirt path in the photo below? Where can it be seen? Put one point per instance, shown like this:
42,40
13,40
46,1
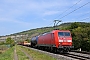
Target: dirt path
15,54
27,55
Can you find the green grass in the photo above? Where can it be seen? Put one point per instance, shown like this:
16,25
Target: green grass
7,55
37,55
3,48
21,55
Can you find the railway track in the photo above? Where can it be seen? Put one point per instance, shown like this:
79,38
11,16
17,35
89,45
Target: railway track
80,56
66,56
83,52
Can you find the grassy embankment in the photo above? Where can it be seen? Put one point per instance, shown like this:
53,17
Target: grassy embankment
36,55
8,54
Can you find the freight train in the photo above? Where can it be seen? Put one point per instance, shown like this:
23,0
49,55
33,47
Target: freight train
56,41
24,43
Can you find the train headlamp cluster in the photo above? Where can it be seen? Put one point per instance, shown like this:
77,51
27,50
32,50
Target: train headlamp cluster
65,40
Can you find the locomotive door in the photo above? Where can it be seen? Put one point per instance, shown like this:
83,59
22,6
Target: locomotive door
53,39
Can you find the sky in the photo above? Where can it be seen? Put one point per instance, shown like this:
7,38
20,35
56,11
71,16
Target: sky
21,15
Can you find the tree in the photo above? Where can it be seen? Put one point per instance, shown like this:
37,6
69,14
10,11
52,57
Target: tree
74,25
1,43
10,42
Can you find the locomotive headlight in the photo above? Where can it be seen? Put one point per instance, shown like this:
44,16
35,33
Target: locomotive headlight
69,40
60,40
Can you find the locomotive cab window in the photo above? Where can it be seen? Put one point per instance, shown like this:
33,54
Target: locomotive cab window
60,33
63,33
67,33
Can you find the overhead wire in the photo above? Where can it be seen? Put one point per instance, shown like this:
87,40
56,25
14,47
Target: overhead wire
50,24
83,15
74,10
66,11
68,8
85,18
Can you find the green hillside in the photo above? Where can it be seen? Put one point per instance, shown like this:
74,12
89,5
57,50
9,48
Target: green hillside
38,31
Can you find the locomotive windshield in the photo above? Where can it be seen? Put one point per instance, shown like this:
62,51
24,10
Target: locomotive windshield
64,33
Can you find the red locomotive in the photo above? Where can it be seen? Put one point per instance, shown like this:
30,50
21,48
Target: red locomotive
56,40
